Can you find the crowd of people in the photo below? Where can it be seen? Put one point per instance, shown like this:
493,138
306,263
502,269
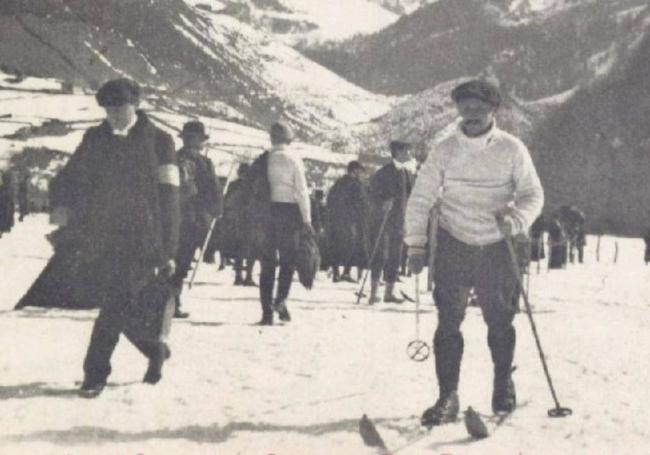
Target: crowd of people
133,212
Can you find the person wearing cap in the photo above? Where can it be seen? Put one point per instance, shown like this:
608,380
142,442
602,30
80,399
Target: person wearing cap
118,197
478,175
200,199
347,230
278,207
389,190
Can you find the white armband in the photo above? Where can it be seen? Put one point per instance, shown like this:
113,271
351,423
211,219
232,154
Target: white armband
168,174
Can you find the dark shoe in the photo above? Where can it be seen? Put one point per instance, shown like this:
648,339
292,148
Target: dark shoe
249,282
374,298
347,278
444,411
239,281
267,319
389,296
156,361
504,396
283,313
91,389
178,314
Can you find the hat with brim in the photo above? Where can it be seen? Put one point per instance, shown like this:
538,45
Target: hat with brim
194,128
118,92
479,89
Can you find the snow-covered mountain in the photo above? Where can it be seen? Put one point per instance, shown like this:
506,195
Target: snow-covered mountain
535,49
179,52
305,21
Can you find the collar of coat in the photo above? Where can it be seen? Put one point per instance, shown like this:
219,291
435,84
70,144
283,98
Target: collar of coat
141,122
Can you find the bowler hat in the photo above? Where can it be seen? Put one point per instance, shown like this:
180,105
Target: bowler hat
194,128
118,92
478,88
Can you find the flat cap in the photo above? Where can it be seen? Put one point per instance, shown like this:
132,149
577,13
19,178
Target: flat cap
281,133
478,88
118,92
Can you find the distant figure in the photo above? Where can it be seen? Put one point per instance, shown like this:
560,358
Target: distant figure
347,230
573,221
646,239
318,211
23,197
537,252
557,242
7,206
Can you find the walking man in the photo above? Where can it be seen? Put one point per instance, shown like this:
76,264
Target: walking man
118,195
389,191
277,208
484,172
200,201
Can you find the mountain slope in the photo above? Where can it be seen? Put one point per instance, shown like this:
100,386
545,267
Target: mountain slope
179,51
535,50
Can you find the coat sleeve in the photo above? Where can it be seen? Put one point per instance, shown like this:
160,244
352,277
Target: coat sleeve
301,191
529,195
423,196
214,190
168,190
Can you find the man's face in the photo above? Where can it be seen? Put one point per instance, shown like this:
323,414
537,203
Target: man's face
193,142
403,155
119,117
357,174
477,115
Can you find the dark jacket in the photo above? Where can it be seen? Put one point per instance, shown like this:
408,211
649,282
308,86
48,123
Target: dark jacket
390,183
201,193
257,207
122,195
230,237
348,211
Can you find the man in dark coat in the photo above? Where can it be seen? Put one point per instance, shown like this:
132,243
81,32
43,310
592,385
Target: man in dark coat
200,200
347,230
537,252
573,220
118,197
390,188
557,243
233,243
23,197
7,205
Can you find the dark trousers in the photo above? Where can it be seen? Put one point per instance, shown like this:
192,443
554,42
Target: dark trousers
190,238
488,270
286,221
388,256
110,323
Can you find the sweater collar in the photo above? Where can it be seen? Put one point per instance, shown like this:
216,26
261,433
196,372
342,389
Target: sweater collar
478,142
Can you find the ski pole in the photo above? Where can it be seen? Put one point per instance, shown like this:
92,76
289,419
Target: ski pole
210,230
382,226
557,411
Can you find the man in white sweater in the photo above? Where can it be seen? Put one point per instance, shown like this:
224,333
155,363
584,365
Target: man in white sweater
472,176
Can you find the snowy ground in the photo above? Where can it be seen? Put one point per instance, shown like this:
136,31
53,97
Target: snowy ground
234,388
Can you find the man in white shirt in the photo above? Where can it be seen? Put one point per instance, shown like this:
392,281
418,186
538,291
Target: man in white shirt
474,175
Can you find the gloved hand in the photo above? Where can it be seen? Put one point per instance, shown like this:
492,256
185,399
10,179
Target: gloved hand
387,205
507,224
167,270
417,258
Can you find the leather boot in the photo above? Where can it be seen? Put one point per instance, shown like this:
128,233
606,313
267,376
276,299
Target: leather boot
374,288
389,296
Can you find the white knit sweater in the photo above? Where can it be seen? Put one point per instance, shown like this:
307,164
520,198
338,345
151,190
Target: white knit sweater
287,178
482,176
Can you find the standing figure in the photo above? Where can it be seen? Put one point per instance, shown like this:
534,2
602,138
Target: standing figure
118,196
278,207
347,230
537,252
490,193
557,244
7,205
389,191
23,197
234,239
201,202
